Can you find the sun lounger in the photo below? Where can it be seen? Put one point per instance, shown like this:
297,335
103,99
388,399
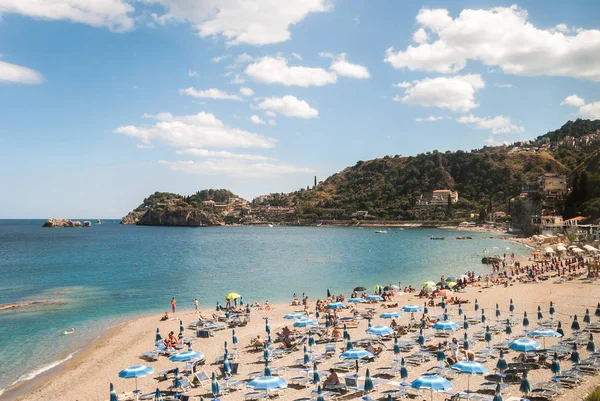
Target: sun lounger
550,386
330,349
301,381
201,378
543,393
185,386
345,366
335,387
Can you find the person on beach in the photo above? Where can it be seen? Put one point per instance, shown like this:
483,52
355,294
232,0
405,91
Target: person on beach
165,317
196,304
173,304
332,379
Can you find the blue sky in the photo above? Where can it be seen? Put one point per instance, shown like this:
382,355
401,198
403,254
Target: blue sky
106,101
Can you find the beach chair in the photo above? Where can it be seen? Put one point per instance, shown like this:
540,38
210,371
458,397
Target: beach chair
352,384
339,387
303,381
345,366
201,378
543,393
256,395
330,349
186,385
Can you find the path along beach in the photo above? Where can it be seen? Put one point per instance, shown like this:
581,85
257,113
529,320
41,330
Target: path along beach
88,375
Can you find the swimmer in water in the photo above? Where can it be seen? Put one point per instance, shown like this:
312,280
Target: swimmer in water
70,331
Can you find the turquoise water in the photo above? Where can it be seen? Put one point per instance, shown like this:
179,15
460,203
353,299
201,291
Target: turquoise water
92,278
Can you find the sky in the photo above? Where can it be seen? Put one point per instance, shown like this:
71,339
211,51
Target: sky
103,102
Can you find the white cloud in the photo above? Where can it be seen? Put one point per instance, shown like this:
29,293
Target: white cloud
220,154
218,59
193,74
342,67
257,120
194,131
403,85
591,110
272,122
211,93
18,74
297,56
235,168
237,79
111,14
573,100
243,58
431,118
420,36
289,106
257,22
498,124
276,70
456,93
246,91
503,37
505,86
270,113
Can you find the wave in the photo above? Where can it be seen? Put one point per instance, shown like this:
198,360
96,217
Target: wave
34,373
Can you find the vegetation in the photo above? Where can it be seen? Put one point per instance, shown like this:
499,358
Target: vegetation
593,396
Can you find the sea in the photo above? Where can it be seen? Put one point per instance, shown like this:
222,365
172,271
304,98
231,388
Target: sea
91,279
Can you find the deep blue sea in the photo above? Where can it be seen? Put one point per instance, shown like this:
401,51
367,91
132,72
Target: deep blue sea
93,278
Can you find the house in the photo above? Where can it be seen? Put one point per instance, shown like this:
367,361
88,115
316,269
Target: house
549,224
552,185
440,197
360,213
209,203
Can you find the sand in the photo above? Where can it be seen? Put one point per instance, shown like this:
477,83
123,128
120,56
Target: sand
87,376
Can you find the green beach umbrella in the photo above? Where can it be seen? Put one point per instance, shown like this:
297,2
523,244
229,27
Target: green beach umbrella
214,385
539,314
476,305
555,366
421,338
113,393
488,335
466,342
597,310
267,326
158,336
525,386
349,346
248,309
560,330
501,365
575,358
157,395
346,335
234,338
181,328
429,284
368,382
425,308
497,393
306,356
316,375
443,302
587,319
320,394
525,320
311,340
508,329
497,310
441,355
551,311
511,306
483,319
575,324
403,370
460,311
396,346
591,346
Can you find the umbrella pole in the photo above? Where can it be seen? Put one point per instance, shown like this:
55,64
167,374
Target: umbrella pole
468,386
432,394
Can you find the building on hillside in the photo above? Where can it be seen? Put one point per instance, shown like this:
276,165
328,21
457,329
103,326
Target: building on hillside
553,185
209,203
360,213
549,224
440,197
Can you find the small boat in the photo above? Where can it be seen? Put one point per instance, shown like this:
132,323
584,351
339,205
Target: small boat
437,238
460,237
319,225
271,225
70,331
380,232
98,222
400,229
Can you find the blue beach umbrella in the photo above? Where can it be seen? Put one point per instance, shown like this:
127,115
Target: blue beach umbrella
470,368
575,358
396,346
511,306
488,335
320,394
248,309
349,346
460,310
158,336
305,323
374,298
525,320
465,323
214,386
218,308
187,356
440,354
466,344
431,383
177,382
226,364
357,300
336,305
267,371
501,365
316,375
508,329
497,310
234,338
575,324
266,383
524,345
445,325
267,326
306,356
411,308
403,370
476,305
346,335
133,372
356,354
181,328
390,315
587,319
296,315
421,338
560,330
555,366
368,382
483,318
443,304
551,311
497,393
540,316
380,330
157,395
591,346
544,333
525,386
311,340
113,393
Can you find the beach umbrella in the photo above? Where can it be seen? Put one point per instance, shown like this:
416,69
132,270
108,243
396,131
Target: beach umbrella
411,308
540,316
450,279
357,300
425,308
241,301
575,358
544,333
552,311
445,325
267,371
431,383
356,354
327,323
296,315
214,386
446,316
266,383
306,356
501,365
232,295
225,345
591,346
525,386
470,368
320,394
524,345
177,381
390,315
267,326
421,338
443,304
497,393
483,319
266,352
374,298
466,344
460,311
368,387
403,370
248,309
234,338
218,306
328,293
187,356
440,354
133,372
336,305
555,366
508,329
357,289
346,335
306,323
476,305
369,322
511,306
575,324
497,310
113,393
559,329
488,335
396,346
465,323
377,288
158,336
597,310
157,395
430,289
311,340
380,330
316,375
226,363
429,284
587,319
181,328
525,320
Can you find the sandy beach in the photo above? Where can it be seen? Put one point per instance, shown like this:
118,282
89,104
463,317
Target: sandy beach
88,375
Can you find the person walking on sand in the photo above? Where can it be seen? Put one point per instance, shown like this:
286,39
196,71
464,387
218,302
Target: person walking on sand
173,304
196,304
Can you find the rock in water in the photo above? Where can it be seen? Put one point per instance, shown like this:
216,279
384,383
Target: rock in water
58,223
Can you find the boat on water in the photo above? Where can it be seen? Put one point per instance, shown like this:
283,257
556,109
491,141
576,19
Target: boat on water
271,225
319,225
464,237
380,232
98,222
400,229
437,238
